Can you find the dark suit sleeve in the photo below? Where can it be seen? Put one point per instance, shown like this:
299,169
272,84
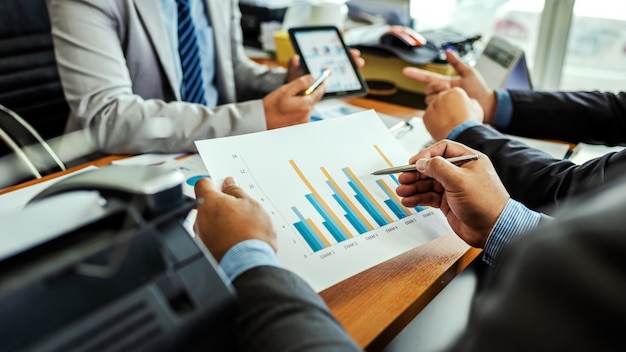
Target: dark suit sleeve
588,117
281,312
535,178
560,288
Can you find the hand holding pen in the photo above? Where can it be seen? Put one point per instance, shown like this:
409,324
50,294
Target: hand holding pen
471,195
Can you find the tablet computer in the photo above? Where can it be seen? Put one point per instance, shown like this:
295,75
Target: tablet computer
322,48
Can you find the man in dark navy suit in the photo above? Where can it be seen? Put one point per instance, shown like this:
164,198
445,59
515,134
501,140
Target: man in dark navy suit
531,176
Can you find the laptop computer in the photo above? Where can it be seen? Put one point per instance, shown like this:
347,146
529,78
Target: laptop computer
503,65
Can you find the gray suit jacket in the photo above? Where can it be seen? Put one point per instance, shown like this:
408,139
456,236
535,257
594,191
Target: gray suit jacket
118,75
280,312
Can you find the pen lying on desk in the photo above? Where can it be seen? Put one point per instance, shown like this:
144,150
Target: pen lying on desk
402,125
457,160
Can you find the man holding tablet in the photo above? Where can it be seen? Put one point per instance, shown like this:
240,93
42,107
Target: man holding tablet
124,66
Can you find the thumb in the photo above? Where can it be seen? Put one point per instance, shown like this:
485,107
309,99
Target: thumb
231,188
203,188
439,169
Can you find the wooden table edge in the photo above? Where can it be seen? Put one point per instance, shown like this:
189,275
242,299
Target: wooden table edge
376,304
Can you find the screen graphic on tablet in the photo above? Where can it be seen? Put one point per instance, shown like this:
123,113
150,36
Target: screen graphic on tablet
322,48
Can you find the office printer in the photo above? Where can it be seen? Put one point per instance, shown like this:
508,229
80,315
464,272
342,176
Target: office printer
123,275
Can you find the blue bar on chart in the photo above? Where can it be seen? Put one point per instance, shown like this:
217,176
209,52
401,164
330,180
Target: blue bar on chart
332,222
307,232
393,202
359,223
331,225
366,200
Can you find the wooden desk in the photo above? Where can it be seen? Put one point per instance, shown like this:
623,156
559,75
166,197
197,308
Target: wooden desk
375,305
398,111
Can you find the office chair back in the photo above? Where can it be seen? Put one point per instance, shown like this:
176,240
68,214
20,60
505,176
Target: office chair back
29,80
31,150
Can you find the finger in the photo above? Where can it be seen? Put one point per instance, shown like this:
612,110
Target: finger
436,149
231,188
438,87
445,148
455,61
317,94
298,85
203,187
424,199
430,99
295,61
421,186
356,57
406,178
360,62
422,75
446,173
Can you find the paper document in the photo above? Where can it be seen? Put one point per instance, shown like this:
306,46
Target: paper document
556,149
413,139
332,218
585,152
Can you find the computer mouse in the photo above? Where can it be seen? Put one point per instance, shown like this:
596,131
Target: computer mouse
401,36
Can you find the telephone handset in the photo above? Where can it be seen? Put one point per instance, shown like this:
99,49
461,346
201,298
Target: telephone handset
155,188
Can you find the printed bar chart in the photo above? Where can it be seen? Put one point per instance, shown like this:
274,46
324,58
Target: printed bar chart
332,218
356,222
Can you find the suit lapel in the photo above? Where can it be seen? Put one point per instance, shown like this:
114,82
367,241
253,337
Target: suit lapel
150,13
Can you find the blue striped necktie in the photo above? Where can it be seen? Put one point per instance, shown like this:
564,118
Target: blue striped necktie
192,89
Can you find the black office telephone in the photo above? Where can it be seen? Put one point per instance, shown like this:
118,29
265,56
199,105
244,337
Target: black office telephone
133,278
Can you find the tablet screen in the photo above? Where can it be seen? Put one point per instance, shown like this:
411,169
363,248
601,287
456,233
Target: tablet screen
322,48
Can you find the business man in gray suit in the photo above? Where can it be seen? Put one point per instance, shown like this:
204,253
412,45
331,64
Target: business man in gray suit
121,74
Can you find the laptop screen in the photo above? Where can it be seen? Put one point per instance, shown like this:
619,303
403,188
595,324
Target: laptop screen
503,65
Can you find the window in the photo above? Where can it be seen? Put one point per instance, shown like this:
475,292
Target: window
596,47
569,44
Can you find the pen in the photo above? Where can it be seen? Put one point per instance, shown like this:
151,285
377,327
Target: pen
402,125
457,160
317,82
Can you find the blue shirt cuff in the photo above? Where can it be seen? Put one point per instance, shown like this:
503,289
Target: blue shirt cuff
247,255
461,128
504,110
514,221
